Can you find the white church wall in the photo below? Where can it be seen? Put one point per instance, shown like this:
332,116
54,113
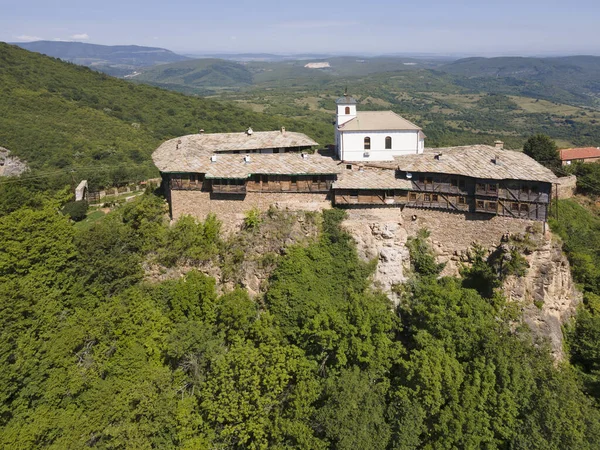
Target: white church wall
342,117
403,143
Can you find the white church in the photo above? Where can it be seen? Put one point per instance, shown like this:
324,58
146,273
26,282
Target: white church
374,135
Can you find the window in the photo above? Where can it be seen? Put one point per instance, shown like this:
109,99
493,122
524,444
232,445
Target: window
524,207
514,206
481,187
347,111
480,204
462,200
491,206
275,150
434,198
492,188
349,166
453,182
427,197
412,196
429,180
367,143
388,143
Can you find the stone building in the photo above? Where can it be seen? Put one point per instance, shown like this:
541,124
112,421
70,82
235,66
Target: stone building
230,173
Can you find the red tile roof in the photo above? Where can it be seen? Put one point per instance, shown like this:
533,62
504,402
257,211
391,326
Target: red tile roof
569,154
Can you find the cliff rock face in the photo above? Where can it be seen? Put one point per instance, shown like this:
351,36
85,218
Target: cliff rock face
381,236
547,293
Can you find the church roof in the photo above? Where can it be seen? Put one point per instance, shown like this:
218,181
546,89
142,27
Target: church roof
377,121
346,100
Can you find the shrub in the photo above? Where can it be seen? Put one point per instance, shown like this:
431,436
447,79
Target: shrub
76,210
252,219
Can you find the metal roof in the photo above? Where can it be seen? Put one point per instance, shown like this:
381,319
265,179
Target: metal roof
377,121
346,100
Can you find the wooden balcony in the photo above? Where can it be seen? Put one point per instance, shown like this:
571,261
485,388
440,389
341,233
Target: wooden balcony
229,188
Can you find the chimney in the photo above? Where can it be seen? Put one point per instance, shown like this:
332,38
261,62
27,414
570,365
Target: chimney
439,156
496,160
282,130
213,158
249,131
499,145
201,131
304,155
247,159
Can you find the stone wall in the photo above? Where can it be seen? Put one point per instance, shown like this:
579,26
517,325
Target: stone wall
232,212
453,234
567,187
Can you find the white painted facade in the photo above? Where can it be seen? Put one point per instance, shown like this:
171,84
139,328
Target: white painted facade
351,146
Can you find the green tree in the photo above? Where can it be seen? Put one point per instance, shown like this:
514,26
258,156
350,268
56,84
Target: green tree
543,149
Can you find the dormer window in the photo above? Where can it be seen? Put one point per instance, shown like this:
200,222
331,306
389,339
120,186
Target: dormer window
388,143
367,143
347,110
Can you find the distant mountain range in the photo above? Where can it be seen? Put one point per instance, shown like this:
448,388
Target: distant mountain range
577,75
116,60
570,79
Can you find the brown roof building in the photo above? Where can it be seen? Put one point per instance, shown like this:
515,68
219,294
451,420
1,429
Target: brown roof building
581,154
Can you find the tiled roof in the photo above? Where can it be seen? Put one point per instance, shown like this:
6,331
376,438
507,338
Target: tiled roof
370,179
569,154
182,154
377,121
479,161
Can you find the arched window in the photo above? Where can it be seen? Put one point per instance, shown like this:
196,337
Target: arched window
367,143
347,110
388,143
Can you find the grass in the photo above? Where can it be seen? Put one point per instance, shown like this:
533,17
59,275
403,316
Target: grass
90,220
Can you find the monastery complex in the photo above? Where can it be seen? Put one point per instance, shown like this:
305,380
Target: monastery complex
379,160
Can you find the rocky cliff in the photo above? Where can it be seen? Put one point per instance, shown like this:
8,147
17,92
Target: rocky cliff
546,293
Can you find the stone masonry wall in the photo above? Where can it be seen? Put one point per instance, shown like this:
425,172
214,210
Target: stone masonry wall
452,234
232,212
567,187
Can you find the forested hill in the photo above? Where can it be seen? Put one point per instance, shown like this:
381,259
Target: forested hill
111,59
59,115
577,75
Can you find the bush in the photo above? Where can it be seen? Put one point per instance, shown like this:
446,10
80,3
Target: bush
252,219
421,255
76,210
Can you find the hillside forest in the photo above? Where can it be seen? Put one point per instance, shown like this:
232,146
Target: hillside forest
133,331
99,354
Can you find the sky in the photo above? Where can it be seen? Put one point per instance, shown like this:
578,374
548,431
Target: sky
483,27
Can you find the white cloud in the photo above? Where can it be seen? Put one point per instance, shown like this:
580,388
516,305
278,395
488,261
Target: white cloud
80,37
27,38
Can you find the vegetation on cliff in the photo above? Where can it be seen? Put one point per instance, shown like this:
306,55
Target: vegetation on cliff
93,356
